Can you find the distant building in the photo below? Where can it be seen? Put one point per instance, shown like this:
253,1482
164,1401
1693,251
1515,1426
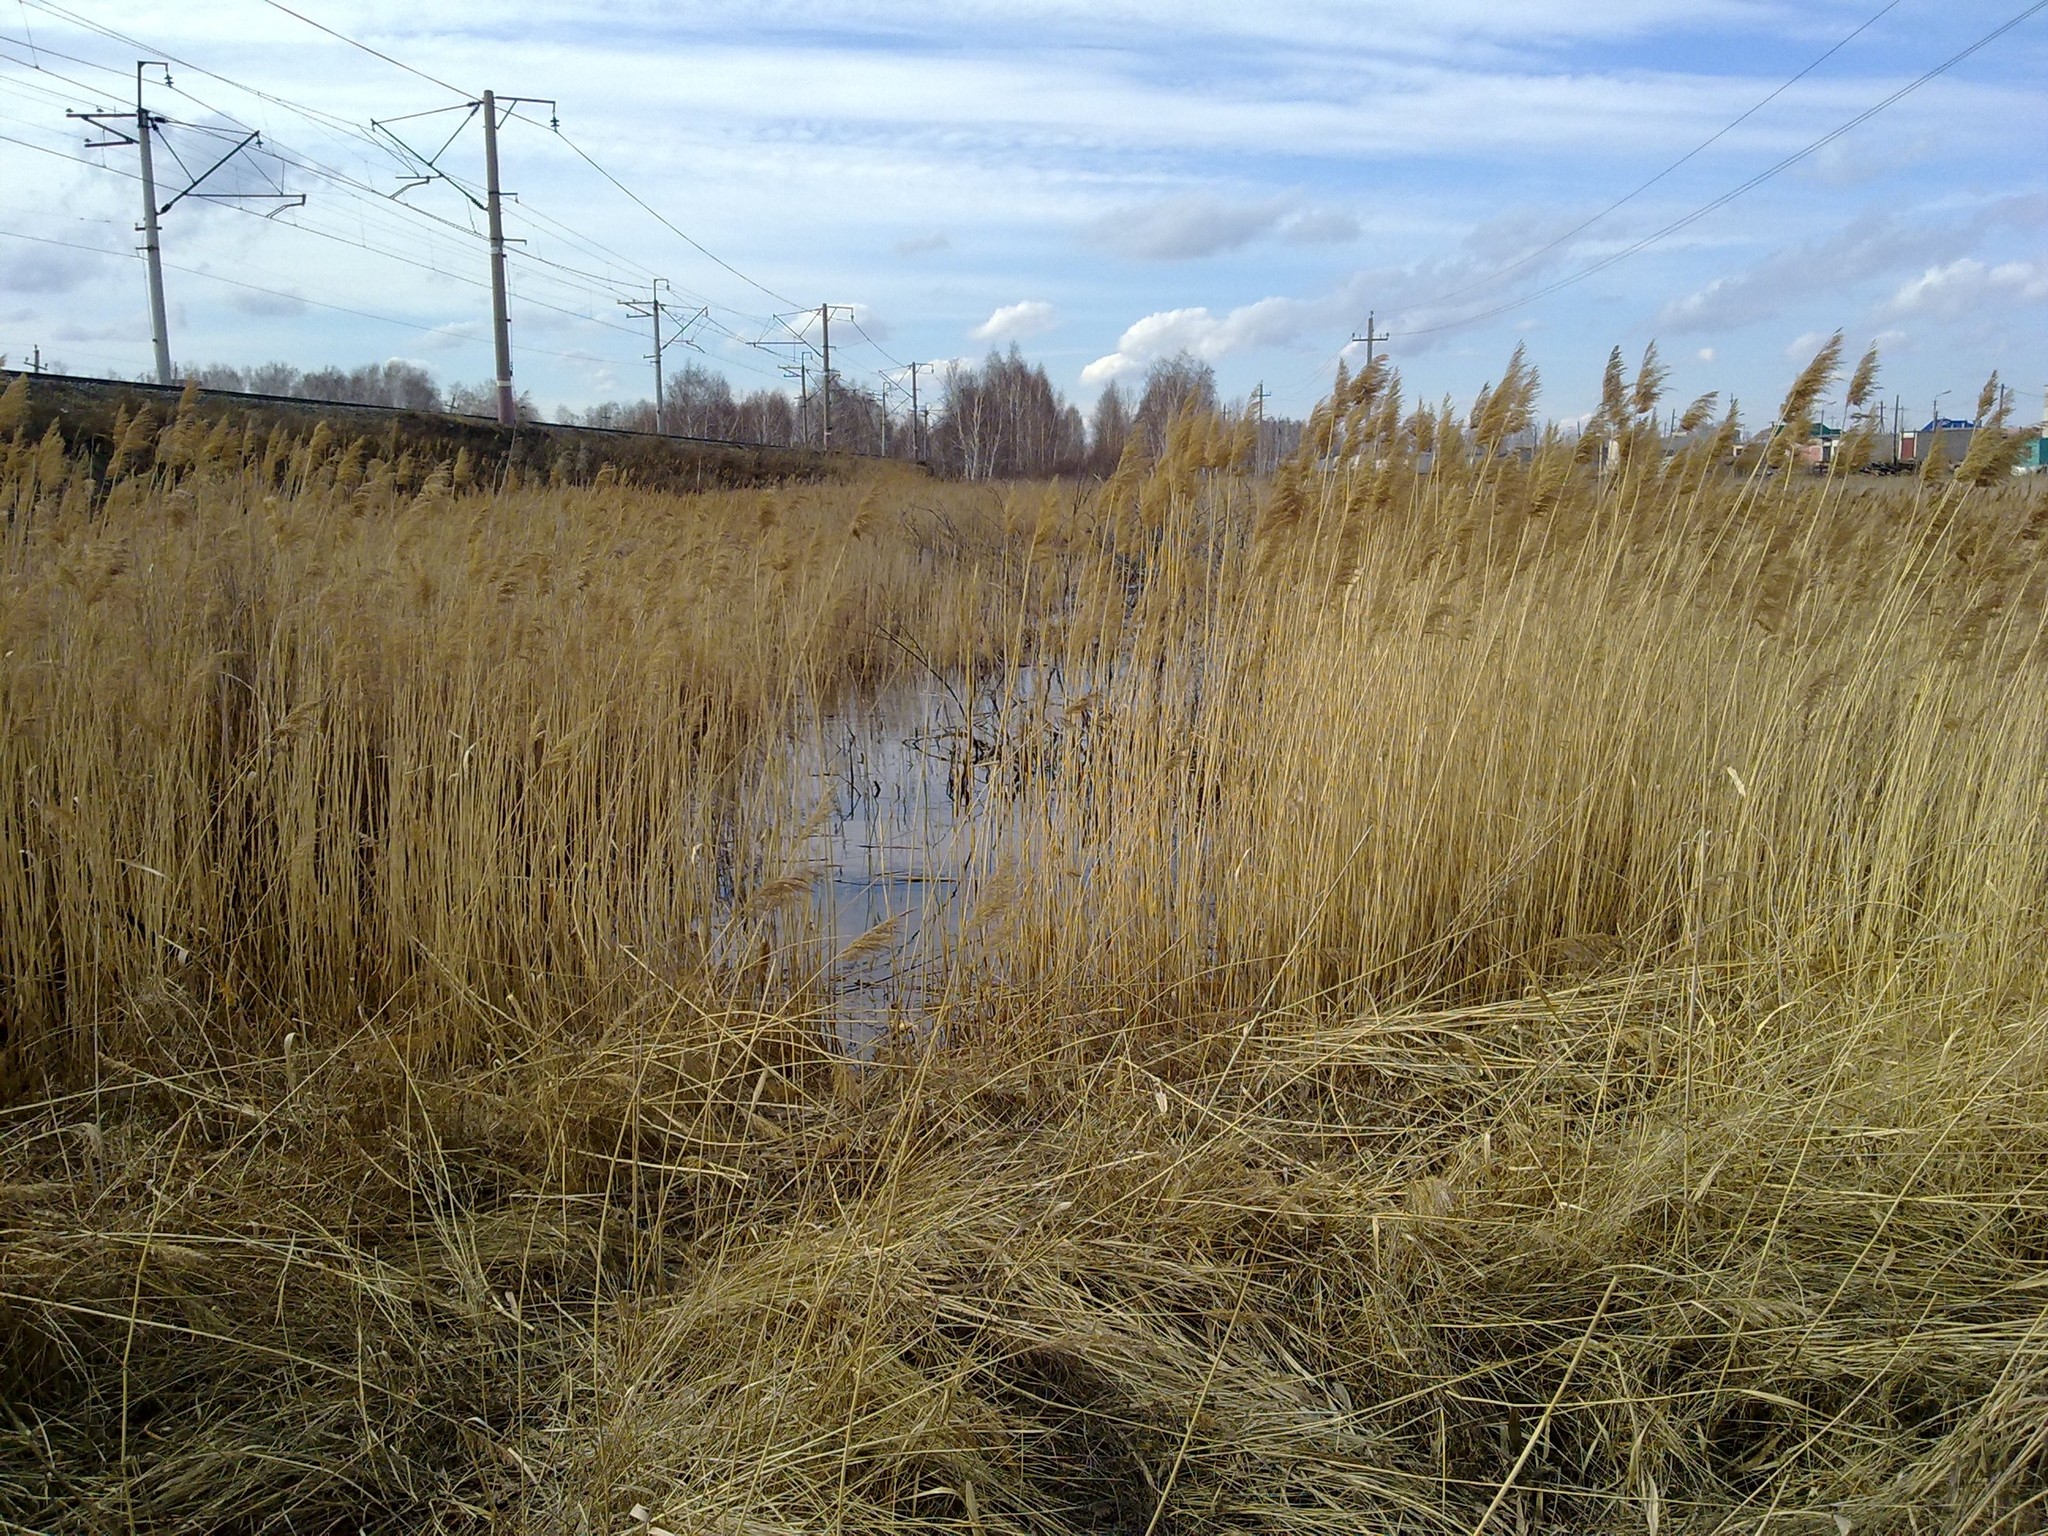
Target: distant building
1818,451
1915,445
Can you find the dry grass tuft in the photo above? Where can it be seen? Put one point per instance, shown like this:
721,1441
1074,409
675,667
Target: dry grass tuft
1504,996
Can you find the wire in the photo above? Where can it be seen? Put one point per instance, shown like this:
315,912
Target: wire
1733,193
329,120
367,196
691,240
1630,196
864,336
347,184
43,149
278,293
366,48
86,23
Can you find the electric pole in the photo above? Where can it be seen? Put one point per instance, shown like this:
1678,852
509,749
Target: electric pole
152,243
916,449
916,437
799,340
825,315
654,312
800,370
1259,429
653,308
501,323
1371,337
145,126
428,169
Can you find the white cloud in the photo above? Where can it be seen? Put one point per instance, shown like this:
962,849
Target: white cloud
874,325
1879,245
1017,322
1269,322
1706,354
1321,226
1968,287
453,335
1873,246
1184,228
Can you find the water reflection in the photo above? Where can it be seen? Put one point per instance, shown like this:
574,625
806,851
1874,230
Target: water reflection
922,785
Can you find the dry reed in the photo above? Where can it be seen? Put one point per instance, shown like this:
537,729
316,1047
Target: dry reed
1505,996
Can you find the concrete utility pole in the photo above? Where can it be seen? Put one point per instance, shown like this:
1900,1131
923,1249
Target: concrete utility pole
139,128
152,244
1371,337
913,370
916,437
800,370
653,308
1259,429
802,343
426,168
501,323
825,315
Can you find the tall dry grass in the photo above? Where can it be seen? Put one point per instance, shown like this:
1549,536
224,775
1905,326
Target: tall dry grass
1497,996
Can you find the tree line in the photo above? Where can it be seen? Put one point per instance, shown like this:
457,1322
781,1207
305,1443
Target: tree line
999,419
405,386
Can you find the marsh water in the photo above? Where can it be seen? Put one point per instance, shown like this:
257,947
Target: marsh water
916,783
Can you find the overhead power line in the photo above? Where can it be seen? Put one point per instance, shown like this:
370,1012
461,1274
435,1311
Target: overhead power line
572,146
375,53
379,210
355,131
1640,188
1733,193
44,149
669,225
279,293
864,336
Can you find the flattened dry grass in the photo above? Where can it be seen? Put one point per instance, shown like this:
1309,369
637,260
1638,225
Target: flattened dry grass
1501,998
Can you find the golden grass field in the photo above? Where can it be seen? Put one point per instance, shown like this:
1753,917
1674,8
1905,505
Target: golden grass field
1487,997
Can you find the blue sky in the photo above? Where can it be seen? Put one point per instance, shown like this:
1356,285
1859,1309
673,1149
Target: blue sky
1102,182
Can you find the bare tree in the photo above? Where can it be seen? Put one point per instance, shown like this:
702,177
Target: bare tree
696,402
1172,385
1004,420
1109,429
481,399
396,383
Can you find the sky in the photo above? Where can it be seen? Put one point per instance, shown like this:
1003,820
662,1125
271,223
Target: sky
1102,182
